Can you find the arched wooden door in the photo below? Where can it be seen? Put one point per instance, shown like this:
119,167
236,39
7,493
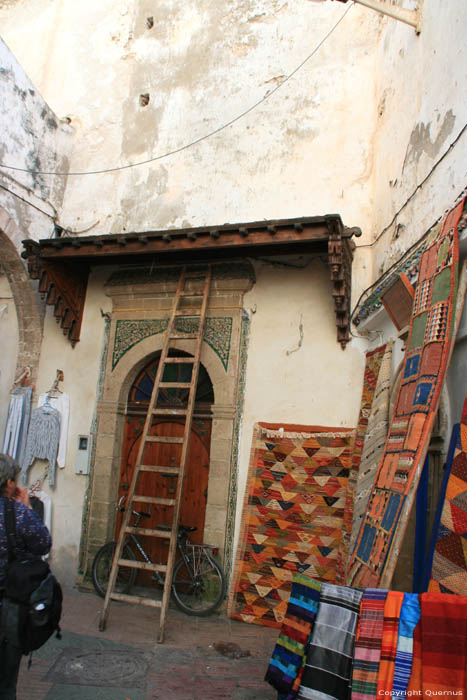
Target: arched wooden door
194,496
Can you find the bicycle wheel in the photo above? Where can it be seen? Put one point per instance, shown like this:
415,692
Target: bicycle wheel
198,587
102,564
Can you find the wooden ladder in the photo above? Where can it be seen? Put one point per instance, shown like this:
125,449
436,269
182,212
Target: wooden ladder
178,311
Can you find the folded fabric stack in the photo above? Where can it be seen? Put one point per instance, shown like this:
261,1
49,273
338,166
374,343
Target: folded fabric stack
338,642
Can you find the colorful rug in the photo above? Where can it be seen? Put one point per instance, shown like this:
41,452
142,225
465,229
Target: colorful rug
292,516
449,568
375,439
370,380
427,355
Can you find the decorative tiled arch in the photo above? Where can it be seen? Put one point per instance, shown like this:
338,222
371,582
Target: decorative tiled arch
217,334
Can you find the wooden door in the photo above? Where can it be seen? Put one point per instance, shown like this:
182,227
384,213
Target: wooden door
194,496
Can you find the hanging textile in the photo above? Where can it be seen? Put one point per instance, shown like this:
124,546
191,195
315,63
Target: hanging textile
292,517
368,644
61,403
425,362
440,647
392,609
449,567
409,617
19,411
374,441
43,440
288,658
370,379
328,667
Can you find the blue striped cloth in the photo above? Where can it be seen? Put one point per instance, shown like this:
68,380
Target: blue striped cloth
409,617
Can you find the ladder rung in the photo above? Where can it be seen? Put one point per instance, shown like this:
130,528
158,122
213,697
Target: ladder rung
193,311
187,293
182,336
159,470
175,385
170,411
160,438
180,360
132,564
147,531
150,602
154,499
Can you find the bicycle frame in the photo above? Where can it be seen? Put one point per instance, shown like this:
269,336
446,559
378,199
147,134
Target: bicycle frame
183,545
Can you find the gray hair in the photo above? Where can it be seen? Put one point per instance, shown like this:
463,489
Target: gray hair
9,469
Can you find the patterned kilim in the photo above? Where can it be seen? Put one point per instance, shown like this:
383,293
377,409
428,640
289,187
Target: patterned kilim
373,446
427,355
370,378
292,517
449,570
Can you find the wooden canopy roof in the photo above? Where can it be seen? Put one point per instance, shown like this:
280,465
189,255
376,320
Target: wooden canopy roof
62,264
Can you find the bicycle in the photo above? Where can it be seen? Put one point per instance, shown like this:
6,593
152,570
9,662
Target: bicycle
198,582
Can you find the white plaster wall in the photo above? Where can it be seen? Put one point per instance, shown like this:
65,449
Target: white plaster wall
422,109
9,335
317,383
32,139
306,150
81,371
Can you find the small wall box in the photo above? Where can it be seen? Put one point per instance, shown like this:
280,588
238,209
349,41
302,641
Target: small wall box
83,454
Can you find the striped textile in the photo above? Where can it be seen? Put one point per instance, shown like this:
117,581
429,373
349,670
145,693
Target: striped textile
392,609
288,658
328,668
440,647
373,361
368,644
373,446
409,617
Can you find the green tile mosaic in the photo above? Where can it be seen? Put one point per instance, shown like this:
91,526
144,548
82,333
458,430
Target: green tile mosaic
217,334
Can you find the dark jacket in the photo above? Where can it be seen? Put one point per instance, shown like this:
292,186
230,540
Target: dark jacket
32,536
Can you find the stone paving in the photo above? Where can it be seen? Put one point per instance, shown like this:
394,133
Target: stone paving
212,658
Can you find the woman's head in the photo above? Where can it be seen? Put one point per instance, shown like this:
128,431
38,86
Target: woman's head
9,470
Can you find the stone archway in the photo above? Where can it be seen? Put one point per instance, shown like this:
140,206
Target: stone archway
29,314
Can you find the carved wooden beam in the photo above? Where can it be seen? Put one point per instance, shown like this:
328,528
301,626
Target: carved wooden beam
62,264
340,256
63,286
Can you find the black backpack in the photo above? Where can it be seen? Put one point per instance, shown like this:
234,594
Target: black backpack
32,599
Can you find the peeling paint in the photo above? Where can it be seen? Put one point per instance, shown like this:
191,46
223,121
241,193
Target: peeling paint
421,143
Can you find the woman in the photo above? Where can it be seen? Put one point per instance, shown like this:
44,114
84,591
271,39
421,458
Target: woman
32,537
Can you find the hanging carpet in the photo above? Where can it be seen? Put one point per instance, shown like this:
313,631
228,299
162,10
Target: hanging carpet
426,358
374,441
449,568
292,516
373,361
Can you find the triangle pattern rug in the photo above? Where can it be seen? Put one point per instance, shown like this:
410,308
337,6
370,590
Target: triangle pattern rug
292,517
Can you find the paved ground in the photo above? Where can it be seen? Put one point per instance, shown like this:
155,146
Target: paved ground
125,662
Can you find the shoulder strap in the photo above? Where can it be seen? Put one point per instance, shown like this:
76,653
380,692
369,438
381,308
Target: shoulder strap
10,527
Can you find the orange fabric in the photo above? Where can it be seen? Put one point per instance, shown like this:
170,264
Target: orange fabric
392,610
